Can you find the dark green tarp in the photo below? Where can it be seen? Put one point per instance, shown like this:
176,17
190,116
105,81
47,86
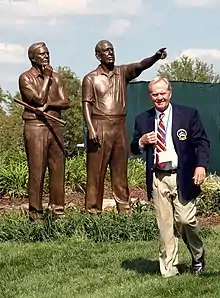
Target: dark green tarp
203,96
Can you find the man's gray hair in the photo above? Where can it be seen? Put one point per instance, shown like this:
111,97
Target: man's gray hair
158,79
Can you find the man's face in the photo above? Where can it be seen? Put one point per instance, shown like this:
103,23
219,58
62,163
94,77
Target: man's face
42,56
106,54
160,95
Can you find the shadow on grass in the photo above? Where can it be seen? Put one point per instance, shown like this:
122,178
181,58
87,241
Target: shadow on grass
145,266
210,274
142,266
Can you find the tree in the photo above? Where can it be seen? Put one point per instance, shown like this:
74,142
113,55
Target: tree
3,101
189,70
11,132
73,131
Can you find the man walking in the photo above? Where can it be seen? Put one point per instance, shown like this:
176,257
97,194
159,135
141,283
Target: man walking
177,157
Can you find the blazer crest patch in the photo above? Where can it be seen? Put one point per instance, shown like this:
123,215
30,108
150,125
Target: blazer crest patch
181,134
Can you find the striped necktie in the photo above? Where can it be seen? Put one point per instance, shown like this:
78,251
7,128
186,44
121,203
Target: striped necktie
161,137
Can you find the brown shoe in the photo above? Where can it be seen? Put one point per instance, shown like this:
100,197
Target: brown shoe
93,211
57,211
36,216
124,208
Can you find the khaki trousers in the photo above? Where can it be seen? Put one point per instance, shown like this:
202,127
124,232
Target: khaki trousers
44,147
113,151
169,206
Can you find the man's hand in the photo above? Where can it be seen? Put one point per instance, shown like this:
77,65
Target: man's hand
148,138
93,136
199,175
41,110
161,53
47,70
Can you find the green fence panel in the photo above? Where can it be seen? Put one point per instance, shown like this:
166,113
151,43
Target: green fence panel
203,96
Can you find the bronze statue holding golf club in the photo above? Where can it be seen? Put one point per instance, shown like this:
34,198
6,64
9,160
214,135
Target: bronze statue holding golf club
43,97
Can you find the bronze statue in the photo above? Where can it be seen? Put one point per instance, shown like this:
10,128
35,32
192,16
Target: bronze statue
44,97
104,103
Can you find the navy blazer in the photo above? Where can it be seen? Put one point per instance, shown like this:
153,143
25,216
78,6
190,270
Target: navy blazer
192,151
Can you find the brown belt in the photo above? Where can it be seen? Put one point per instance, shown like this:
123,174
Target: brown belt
108,117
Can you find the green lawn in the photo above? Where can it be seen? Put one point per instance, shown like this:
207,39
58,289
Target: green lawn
80,268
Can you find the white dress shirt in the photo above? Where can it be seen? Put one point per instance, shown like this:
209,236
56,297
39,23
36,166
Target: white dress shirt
167,120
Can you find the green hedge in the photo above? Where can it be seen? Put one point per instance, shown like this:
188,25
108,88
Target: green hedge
105,227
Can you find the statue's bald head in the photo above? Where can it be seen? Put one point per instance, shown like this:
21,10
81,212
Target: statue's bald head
99,46
104,52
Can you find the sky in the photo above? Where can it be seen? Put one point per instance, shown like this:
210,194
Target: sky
137,29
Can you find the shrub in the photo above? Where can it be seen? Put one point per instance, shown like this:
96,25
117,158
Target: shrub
75,174
136,172
209,200
13,174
